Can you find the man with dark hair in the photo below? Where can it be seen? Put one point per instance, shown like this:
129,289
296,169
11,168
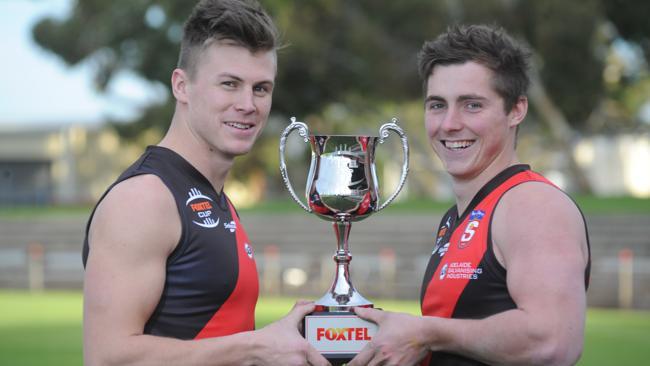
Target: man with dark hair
506,281
170,274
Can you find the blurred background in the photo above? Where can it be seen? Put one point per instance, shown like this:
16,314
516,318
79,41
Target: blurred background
85,88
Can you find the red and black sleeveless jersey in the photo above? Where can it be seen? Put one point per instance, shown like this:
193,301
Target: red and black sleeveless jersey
464,279
211,285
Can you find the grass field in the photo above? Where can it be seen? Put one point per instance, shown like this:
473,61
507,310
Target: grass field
588,204
45,329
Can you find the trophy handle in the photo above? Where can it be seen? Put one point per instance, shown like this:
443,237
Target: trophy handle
383,134
303,131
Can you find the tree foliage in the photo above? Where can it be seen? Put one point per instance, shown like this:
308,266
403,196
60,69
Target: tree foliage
361,51
354,54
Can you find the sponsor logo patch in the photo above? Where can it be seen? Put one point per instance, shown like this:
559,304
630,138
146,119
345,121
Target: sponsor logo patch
201,206
249,250
443,249
460,271
476,215
441,235
232,226
443,271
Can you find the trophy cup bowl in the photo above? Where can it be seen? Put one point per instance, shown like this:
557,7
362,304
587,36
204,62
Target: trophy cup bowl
342,187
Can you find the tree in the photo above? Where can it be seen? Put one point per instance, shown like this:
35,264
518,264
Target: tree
357,55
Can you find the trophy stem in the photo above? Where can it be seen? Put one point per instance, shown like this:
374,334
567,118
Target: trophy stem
342,229
342,295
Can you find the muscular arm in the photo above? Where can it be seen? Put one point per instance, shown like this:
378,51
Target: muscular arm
539,237
134,230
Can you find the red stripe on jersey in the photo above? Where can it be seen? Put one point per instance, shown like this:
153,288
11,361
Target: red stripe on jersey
455,269
467,246
237,314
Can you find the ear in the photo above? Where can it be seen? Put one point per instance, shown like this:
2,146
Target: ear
180,81
518,112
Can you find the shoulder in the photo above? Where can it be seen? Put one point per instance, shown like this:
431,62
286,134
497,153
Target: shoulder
139,210
534,216
538,200
540,197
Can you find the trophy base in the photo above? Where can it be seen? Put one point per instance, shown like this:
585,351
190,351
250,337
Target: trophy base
338,335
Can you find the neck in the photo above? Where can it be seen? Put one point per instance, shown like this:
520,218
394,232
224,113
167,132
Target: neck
465,189
210,164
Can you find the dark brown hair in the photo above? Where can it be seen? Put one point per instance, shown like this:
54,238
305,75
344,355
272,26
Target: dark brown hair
489,46
243,22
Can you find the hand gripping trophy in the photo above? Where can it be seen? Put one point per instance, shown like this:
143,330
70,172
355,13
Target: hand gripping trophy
342,187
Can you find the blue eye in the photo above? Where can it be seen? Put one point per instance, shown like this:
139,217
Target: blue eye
262,90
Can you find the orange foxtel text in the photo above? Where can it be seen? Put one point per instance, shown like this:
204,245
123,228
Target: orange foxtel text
201,206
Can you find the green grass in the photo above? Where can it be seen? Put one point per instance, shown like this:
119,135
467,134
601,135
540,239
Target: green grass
40,329
416,206
613,205
45,329
616,337
588,204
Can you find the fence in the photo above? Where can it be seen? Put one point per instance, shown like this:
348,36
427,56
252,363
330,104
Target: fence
294,255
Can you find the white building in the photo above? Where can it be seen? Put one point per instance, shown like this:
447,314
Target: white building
59,165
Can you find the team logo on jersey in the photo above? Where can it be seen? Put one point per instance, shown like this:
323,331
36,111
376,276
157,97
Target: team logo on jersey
232,226
441,234
201,206
443,230
474,220
248,250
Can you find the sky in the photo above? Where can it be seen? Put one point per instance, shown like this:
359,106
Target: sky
38,88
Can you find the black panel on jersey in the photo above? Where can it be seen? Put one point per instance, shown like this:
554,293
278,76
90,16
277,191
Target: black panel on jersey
449,220
202,271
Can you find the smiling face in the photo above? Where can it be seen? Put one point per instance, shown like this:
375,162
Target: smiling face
466,123
226,101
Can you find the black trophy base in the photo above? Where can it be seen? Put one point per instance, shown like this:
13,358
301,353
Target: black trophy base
339,360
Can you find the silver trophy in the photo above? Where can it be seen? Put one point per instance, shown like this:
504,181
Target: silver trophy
342,187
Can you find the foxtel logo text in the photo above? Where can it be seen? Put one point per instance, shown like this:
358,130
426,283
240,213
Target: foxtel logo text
343,334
